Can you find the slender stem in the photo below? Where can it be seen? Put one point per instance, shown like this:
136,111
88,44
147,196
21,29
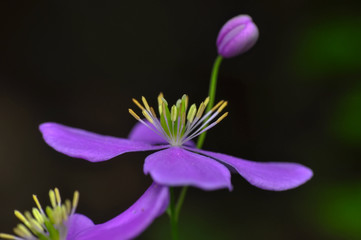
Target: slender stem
211,94
181,198
172,215
174,209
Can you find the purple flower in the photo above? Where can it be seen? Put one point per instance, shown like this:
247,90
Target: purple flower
178,163
59,221
237,36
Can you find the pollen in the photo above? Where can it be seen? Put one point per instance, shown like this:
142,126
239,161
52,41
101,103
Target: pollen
177,124
49,224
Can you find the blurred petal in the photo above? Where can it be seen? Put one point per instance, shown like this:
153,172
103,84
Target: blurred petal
178,167
76,224
87,145
142,133
134,220
277,176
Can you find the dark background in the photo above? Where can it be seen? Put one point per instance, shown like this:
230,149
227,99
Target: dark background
296,96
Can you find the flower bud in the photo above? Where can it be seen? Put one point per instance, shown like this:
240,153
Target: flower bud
237,36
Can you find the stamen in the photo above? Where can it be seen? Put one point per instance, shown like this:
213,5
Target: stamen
134,114
57,195
7,236
48,224
36,200
138,104
177,124
222,107
217,105
21,218
191,113
173,113
75,201
147,116
145,103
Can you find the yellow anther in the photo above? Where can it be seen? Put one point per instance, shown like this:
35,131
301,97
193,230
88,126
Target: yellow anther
206,101
68,206
217,105
185,99
21,217
164,102
7,236
191,113
222,117
222,107
145,103
138,104
22,231
36,200
200,110
75,199
64,212
178,104
153,112
52,198
147,116
173,113
57,195
36,226
37,215
160,96
134,114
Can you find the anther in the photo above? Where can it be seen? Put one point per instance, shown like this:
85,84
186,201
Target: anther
145,103
138,104
147,116
222,117
57,195
191,113
52,198
217,105
134,114
222,107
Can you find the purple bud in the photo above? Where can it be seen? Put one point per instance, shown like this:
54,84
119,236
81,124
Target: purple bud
237,36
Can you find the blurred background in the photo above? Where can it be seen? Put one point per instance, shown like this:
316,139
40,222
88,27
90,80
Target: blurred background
296,96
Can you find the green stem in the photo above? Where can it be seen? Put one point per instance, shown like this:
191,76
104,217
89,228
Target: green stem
174,209
211,94
180,202
172,215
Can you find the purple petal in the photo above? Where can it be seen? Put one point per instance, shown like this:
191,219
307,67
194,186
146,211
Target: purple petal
231,24
134,220
76,224
178,167
276,176
142,133
89,146
237,36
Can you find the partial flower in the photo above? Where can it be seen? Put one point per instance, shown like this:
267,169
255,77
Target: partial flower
237,36
60,222
179,162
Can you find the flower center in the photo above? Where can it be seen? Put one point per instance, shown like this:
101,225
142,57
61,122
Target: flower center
45,225
179,124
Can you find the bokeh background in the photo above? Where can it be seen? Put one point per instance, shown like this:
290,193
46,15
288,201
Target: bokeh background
296,96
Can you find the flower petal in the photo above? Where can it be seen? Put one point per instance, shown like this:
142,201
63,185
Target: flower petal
142,133
76,224
178,167
134,220
89,146
276,176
